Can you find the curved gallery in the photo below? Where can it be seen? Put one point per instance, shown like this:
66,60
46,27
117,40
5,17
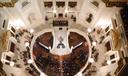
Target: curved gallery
60,65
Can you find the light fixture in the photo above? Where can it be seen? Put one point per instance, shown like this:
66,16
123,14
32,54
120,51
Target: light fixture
103,23
108,62
19,23
49,47
26,44
91,60
80,74
30,61
12,63
66,11
31,30
42,74
94,43
54,11
17,27
89,30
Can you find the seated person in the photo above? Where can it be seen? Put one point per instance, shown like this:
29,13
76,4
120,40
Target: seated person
60,45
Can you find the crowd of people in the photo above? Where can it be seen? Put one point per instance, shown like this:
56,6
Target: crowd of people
65,65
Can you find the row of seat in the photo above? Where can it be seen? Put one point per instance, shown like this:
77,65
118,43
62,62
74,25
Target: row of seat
66,65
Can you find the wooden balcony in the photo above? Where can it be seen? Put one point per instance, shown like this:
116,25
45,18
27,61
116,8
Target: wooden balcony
117,3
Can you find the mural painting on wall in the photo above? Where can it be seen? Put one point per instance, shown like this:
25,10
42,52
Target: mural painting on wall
4,40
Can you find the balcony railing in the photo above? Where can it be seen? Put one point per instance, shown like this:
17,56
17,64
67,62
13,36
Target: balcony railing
118,3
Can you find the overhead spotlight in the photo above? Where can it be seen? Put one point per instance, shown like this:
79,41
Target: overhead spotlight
49,47
94,43
54,11
89,30
108,62
31,30
19,23
12,63
91,60
80,74
66,11
26,44
103,23
42,74
17,27
30,61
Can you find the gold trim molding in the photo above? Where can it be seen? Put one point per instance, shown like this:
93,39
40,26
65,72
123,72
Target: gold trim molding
8,4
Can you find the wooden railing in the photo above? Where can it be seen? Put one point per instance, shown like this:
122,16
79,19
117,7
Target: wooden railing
118,3
120,66
2,72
